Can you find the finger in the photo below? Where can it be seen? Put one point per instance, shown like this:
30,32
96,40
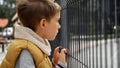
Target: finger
56,55
56,51
55,59
64,51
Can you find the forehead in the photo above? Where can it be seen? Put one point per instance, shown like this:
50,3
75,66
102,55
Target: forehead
57,15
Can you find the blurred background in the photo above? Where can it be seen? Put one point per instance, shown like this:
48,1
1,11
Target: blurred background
7,12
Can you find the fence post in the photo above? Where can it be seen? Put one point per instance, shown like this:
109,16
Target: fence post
64,32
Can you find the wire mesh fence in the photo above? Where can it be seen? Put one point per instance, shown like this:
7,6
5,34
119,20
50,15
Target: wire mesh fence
90,30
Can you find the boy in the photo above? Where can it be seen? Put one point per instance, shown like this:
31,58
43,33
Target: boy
30,48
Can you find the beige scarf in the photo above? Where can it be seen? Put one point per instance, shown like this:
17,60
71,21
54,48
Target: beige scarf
28,34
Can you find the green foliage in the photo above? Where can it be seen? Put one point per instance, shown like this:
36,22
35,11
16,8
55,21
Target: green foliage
7,10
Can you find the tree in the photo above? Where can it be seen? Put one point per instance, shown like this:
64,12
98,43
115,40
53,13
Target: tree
7,10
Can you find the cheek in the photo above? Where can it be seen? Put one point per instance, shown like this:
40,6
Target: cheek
51,34
52,31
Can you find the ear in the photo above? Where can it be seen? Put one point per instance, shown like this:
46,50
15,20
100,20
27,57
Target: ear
43,23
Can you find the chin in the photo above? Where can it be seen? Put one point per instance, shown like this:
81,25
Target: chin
52,39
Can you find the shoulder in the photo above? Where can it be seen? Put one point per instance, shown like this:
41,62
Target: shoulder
17,42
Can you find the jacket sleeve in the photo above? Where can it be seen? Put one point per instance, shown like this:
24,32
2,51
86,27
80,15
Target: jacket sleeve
25,60
59,65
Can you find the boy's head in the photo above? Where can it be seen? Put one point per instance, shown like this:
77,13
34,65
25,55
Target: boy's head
30,12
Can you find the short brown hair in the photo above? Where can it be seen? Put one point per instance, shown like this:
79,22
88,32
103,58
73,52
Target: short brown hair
30,12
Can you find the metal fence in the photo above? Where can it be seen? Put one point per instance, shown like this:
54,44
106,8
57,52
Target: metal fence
90,30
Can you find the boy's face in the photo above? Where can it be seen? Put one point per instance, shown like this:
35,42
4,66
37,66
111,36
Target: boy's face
51,28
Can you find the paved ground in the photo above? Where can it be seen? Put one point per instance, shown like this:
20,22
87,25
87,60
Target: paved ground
2,54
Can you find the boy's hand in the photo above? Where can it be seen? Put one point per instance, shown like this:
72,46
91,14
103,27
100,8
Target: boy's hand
59,55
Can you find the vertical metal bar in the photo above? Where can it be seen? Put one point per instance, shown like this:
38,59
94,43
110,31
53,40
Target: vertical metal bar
103,17
79,20
93,34
89,45
100,14
82,8
111,50
84,25
116,34
96,32
87,31
105,33
111,36
110,39
91,19
100,36
76,20
80,40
